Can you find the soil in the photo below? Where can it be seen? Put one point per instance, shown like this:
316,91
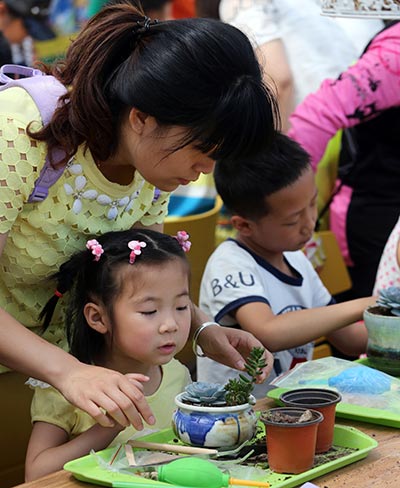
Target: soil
378,310
203,404
283,418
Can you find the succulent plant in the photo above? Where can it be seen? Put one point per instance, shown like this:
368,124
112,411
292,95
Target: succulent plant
236,391
390,298
202,392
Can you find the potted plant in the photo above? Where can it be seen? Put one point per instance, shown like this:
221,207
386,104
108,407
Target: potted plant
291,435
383,324
322,400
215,415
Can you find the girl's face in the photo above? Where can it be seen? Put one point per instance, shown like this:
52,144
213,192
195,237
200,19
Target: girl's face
150,148
151,316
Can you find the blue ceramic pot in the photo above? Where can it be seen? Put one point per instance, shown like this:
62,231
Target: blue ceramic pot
213,426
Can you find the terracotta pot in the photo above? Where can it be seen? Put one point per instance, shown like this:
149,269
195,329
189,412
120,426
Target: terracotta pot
291,446
322,400
219,426
383,348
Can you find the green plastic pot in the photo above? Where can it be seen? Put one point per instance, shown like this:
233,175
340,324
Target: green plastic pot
383,348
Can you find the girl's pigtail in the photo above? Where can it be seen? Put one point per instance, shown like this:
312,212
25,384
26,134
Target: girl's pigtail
65,280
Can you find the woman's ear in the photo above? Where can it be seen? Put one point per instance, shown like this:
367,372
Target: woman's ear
96,317
141,123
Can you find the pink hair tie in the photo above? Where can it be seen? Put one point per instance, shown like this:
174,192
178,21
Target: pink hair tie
136,247
183,238
58,294
96,248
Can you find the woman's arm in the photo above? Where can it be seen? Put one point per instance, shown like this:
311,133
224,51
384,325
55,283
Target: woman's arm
90,388
273,58
228,346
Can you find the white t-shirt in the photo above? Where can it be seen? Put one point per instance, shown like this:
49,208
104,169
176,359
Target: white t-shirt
317,47
235,276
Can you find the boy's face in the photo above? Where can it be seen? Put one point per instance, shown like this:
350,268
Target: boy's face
291,219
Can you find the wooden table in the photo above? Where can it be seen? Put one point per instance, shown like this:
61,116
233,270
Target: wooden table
381,469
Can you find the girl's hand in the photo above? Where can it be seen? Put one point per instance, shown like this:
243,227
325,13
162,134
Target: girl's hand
107,395
229,346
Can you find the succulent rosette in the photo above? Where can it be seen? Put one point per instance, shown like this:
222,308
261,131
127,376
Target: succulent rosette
202,392
390,298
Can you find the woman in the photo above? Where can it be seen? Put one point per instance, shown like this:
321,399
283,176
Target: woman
149,106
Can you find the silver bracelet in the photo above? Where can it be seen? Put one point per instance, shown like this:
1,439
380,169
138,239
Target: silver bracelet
196,336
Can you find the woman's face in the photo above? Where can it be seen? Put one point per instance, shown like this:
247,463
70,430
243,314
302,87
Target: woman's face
150,149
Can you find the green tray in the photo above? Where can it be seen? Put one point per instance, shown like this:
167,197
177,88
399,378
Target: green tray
367,362
87,469
352,411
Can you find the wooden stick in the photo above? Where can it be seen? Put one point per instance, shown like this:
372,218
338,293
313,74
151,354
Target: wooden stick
154,446
130,455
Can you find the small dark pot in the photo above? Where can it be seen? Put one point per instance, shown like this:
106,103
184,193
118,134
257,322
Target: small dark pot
291,446
324,401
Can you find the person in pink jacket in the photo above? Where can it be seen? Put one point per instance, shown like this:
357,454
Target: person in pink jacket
364,101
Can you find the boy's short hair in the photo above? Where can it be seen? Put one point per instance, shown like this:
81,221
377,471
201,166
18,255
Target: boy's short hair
244,184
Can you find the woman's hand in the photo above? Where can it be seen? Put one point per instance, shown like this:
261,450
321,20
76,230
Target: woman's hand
107,395
229,346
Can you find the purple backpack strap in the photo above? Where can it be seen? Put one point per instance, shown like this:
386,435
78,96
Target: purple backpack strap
45,91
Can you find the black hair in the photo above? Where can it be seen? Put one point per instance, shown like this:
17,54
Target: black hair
200,74
5,51
87,280
244,185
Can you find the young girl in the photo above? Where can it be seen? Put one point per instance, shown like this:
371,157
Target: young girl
146,109
128,310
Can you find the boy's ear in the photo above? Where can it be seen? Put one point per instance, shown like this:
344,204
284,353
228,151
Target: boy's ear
241,224
96,317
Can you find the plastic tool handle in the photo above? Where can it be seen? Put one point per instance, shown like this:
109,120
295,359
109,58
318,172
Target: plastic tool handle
234,481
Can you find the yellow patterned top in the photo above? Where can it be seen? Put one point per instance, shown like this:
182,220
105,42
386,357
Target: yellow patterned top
41,236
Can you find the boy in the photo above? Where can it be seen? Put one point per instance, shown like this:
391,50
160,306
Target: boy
261,281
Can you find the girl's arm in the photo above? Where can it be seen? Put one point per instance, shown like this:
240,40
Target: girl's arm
281,332
50,447
366,88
